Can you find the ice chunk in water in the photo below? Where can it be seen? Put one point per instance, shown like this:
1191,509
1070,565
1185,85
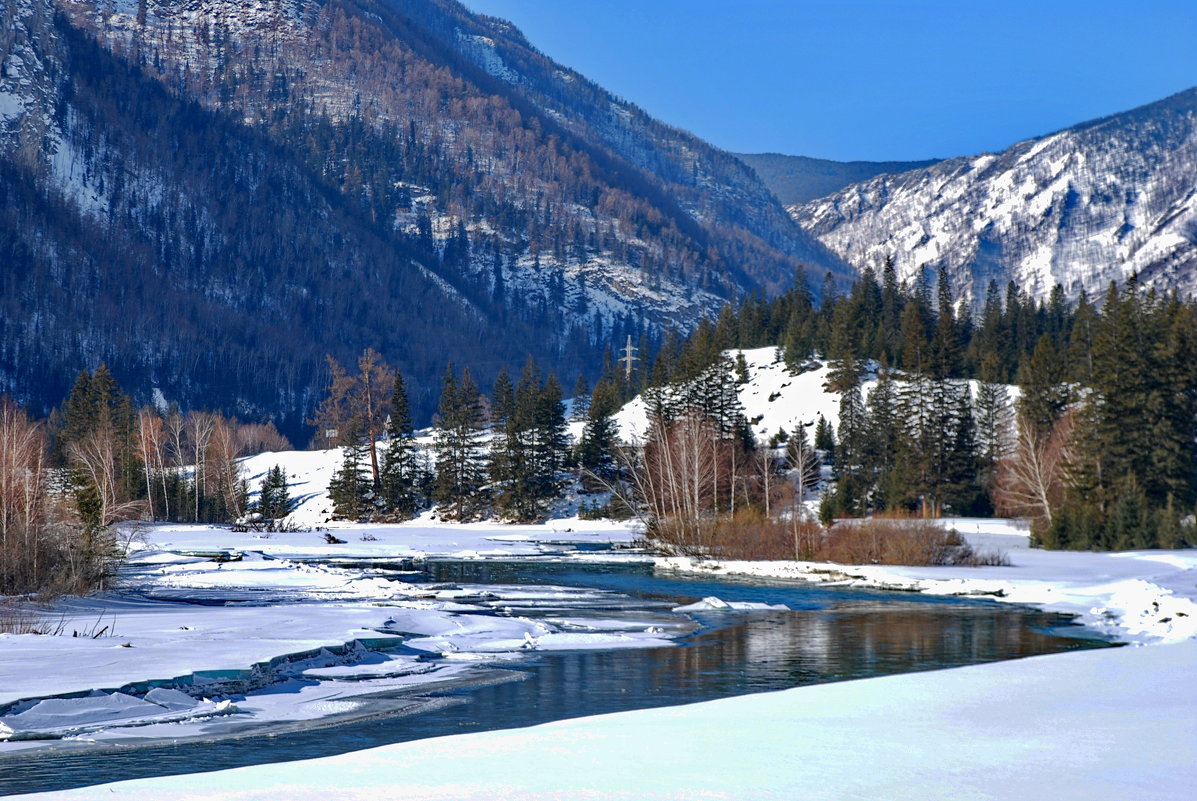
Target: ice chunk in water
711,603
170,699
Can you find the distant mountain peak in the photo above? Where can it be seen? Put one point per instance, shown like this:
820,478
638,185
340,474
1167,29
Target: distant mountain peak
799,179
1093,203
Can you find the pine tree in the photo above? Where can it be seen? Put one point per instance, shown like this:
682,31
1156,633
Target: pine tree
1130,524
402,475
916,456
460,453
350,488
596,448
914,355
825,439
883,442
961,491
550,445
847,366
506,453
892,304
1045,393
715,392
530,447
512,465
990,344
79,415
1082,334
852,487
994,419
274,497
581,400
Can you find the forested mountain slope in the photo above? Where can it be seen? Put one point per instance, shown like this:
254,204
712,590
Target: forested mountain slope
1084,206
799,179
210,195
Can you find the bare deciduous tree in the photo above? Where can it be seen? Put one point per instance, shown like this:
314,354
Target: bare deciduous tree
223,450
39,536
151,444
358,401
374,384
22,493
257,438
199,433
96,457
1032,477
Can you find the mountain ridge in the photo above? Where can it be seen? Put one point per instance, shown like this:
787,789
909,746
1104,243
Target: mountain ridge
1096,202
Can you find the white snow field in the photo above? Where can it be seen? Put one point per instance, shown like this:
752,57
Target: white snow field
1105,724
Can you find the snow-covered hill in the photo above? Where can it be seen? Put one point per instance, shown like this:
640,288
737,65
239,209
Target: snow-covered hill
773,398
1081,207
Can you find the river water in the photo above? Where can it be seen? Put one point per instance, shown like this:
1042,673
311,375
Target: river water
827,634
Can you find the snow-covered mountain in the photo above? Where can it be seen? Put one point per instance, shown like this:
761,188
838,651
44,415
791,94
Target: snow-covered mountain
1081,207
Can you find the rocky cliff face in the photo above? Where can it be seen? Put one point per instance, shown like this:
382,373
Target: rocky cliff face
1082,207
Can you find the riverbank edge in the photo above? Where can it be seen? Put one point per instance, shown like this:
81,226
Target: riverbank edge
1136,611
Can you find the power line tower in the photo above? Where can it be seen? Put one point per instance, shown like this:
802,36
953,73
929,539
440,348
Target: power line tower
629,356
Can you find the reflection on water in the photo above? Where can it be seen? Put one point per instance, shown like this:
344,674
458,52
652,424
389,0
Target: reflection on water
830,634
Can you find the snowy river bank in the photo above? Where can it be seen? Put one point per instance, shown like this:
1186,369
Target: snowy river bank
1024,713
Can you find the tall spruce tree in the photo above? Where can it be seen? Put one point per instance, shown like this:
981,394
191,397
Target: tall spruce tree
403,475
596,447
852,484
1045,391
581,400
351,487
883,443
551,443
460,449
995,419
825,439
274,496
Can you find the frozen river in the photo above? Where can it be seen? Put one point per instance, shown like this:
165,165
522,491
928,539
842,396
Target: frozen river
822,634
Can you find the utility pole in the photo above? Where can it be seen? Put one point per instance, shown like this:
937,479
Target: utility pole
629,351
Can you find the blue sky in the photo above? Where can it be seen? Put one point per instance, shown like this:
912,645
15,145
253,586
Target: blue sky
869,80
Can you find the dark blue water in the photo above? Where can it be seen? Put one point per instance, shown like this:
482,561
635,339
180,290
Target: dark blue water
829,634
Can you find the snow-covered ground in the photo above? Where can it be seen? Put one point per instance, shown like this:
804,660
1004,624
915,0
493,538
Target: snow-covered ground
773,398
1106,724
412,540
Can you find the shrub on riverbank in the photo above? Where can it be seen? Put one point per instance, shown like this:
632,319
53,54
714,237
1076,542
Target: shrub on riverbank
891,540
902,541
